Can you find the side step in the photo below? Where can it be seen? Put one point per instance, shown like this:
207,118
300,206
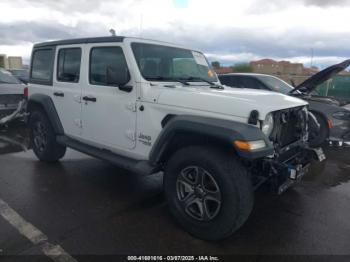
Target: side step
139,167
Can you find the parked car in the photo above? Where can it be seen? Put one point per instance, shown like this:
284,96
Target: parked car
149,106
333,114
21,74
12,100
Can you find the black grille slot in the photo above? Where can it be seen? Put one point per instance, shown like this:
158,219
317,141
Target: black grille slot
289,125
290,131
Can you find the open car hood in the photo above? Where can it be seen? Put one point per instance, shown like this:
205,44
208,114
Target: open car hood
312,82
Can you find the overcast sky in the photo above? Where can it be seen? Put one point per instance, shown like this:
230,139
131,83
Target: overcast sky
230,31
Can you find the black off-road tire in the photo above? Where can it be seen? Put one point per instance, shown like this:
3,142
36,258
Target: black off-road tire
322,135
231,178
44,142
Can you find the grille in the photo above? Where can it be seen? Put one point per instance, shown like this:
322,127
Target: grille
290,126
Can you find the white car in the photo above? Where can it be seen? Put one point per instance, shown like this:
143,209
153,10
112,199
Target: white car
149,106
12,102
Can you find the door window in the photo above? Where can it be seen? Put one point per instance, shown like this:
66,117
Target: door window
103,59
249,82
68,65
230,80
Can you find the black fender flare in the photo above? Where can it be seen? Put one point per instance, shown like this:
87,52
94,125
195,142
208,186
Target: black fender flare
226,131
45,103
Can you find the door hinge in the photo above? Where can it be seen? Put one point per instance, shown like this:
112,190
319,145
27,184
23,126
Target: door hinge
78,122
131,135
131,106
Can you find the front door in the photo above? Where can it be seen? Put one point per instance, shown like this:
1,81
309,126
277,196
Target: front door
108,113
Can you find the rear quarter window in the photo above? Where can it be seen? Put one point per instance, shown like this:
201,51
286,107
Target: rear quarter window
42,66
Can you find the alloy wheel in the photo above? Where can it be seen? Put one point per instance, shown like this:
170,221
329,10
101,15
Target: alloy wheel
198,193
39,136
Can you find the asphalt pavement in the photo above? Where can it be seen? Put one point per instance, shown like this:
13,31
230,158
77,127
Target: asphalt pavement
88,207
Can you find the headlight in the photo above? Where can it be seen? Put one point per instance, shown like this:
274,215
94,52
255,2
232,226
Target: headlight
267,125
342,115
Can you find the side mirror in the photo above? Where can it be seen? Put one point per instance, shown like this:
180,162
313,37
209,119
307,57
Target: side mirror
119,77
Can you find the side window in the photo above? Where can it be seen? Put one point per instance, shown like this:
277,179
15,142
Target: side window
68,65
103,59
232,81
249,82
42,65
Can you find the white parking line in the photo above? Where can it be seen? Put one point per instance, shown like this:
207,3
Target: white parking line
55,252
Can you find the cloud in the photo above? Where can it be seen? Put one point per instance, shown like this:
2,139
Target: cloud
33,32
325,3
229,30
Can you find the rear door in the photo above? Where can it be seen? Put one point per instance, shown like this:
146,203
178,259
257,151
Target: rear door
108,113
67,88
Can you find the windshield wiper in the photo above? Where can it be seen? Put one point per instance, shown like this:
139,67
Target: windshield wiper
162,78
212,84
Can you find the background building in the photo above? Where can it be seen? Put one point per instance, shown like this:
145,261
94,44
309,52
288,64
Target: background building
11,62
272,67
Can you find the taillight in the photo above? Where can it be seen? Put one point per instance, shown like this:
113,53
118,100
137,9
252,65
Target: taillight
26,92
330,123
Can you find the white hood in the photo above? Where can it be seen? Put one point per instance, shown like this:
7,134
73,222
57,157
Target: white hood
230,101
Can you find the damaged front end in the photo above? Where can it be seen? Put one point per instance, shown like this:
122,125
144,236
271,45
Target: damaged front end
292,155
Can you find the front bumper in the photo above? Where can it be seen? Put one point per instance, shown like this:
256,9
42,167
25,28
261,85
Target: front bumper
290,166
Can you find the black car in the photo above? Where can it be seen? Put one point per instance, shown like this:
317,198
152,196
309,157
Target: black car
333,114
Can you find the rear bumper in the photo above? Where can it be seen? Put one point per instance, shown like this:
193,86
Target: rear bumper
9,115
340,132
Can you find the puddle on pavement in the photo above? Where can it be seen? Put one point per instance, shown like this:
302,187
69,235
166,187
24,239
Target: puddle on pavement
14,138
334,171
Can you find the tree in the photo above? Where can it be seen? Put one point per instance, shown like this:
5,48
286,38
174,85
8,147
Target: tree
215,64
242,68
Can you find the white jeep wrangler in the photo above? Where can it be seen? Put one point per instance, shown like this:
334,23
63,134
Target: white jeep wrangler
150,106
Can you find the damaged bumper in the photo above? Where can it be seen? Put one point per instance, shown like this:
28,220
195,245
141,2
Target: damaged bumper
290,166
18,113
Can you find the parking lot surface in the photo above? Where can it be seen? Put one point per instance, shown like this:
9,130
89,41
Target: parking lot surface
89,207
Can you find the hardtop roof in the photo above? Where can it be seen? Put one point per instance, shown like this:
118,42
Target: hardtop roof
104,39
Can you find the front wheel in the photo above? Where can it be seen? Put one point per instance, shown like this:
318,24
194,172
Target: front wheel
208,191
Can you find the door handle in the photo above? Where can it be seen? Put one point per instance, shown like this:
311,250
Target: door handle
61,94
89,98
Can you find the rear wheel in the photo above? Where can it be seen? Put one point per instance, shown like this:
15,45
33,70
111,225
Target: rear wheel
209,192
43,138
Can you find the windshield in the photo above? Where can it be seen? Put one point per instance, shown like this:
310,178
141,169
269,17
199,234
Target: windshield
164,63
275,84
7,78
